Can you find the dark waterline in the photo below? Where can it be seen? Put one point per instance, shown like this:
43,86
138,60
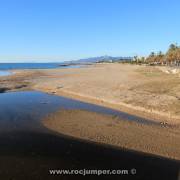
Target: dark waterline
28,150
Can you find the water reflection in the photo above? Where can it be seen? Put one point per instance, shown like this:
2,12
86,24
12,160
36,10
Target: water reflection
31,106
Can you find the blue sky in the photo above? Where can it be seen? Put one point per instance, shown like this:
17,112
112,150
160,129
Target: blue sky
57,30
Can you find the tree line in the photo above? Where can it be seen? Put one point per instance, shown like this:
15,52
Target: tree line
171,57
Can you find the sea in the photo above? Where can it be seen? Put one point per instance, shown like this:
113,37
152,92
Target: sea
11,66
6,67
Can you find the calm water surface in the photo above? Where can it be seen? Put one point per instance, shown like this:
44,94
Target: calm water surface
5,73
5,67
11,66
33,106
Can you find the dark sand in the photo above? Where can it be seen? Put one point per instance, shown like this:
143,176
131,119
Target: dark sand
28,150
30,155
108,129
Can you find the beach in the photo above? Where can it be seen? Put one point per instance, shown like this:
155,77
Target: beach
143,91
130,112
112,130
35,139
89,90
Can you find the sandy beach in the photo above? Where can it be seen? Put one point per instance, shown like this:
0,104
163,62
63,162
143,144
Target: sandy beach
145,91
89,90
142,90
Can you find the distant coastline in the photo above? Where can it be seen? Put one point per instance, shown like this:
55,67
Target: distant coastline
21,66
11,66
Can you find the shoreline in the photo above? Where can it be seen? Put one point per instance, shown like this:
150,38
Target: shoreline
78,84
124,88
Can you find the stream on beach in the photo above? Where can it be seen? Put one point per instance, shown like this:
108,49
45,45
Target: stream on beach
27,148
37,105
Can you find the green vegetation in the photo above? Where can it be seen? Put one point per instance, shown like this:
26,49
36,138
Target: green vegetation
170,58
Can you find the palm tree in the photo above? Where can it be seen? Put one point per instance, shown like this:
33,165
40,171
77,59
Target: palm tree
173,47
172,54
160,57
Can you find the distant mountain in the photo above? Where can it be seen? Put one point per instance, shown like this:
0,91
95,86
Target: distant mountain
102,58
98,59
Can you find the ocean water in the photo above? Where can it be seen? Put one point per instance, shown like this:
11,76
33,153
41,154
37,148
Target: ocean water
5,73
11,66
6,67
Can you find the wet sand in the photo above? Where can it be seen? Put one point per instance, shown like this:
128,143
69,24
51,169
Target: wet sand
19,80
30,155
109,129
28,150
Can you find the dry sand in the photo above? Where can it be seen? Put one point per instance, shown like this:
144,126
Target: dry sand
111,130
141,90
